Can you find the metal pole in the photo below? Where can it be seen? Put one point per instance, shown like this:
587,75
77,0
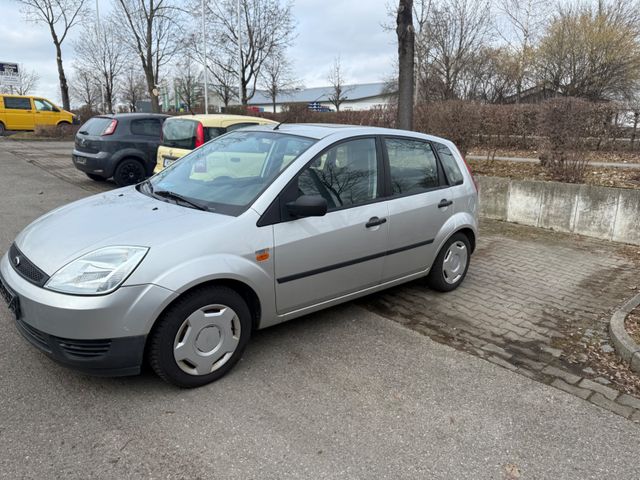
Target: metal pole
204,49
239,55
100,47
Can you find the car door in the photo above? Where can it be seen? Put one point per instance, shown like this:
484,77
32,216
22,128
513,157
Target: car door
146,136
45,113
320,258
419,205
19,113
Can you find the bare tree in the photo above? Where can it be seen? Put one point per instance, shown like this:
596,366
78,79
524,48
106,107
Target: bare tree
133,88
266,27
101,52
277,77
336,82
526,19
150,34
406,40
188,83
27,81
60,16
85,87
224,81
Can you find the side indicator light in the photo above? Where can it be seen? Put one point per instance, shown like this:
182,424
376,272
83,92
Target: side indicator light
262,255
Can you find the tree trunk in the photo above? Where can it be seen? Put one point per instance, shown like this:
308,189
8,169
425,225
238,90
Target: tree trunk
406,40
635,128
64,88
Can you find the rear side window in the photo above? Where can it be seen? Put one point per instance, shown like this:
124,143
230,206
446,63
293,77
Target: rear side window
148,127
451,169
16,103
179,133
95,126
212,132
413,166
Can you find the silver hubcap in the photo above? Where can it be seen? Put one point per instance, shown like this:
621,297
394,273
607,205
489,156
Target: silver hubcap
206,339
455,262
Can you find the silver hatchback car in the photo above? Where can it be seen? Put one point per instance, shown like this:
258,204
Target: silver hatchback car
254,228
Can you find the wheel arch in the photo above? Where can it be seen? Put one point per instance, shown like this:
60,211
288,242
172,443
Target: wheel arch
471,236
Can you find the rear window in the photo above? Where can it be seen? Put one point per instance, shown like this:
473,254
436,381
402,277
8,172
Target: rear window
95,126
179,133
16,103
449,164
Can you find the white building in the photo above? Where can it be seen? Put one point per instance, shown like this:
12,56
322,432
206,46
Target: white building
358,97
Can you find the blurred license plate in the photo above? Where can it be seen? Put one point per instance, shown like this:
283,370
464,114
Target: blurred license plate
11,298
81,160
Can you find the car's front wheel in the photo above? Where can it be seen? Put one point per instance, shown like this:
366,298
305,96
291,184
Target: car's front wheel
451,265
200,337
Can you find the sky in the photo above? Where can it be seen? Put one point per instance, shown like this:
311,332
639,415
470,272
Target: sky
350,29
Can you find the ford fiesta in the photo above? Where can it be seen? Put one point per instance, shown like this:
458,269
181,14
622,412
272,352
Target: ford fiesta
256,227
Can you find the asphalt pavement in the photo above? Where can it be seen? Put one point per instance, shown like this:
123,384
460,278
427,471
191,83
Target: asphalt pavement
339,394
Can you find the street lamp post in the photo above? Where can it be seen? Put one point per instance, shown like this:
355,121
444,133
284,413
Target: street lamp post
239,54
204,49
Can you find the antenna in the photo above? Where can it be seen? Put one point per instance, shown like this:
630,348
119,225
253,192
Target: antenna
277,127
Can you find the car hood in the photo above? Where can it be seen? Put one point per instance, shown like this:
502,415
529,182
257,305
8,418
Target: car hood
119,217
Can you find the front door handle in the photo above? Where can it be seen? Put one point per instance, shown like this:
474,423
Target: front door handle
445,203
375,221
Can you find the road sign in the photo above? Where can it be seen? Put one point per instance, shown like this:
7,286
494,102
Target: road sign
9,75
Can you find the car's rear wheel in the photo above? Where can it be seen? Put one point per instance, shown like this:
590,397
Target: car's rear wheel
451,265
129,172
95,177
2,129
200,337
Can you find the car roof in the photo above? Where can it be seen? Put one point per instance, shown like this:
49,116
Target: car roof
322,130
215,119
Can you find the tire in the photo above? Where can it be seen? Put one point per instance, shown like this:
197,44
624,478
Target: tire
2,129
451,265
129,172
200,337
95,177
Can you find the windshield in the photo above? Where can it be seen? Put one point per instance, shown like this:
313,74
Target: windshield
227,174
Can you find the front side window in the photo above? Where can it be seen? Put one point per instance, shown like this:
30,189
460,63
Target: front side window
345,175
43,106
413,166
17,103
227,174
236,126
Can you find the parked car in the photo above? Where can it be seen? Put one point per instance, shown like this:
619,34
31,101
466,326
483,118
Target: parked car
255,228
122,146
182,134
25,112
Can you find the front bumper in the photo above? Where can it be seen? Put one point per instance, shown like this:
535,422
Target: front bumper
110,329
94,163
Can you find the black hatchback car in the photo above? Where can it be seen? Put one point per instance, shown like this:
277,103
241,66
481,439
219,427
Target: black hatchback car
122,146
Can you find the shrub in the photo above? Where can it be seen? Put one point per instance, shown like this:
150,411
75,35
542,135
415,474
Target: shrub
62,132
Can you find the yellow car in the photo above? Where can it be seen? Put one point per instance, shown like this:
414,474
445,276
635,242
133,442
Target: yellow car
182,134
20,112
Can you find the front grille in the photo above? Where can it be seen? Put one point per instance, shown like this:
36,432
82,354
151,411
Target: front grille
84,348
25,267
35,336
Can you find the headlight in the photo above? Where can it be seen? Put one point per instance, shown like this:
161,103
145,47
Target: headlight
97,272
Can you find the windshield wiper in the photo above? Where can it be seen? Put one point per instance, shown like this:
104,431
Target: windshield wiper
177,196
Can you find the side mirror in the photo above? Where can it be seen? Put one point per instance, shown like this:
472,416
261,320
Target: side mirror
308,206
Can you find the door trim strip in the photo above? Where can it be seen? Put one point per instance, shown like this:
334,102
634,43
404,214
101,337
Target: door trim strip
348,263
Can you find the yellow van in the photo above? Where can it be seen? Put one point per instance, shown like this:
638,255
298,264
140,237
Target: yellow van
20,112
182,134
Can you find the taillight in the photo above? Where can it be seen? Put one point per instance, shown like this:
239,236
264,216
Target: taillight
199,135
111,128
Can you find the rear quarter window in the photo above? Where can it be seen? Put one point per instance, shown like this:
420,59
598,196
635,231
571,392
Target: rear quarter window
16,103
449,164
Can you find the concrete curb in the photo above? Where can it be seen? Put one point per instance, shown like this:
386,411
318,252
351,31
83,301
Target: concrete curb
625,346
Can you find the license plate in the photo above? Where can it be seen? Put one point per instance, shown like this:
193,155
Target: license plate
13,302
81,160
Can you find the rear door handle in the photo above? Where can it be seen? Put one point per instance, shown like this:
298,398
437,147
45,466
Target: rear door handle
445,203
375,221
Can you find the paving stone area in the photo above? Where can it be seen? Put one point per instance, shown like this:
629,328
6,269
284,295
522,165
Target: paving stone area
55,158
531,300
